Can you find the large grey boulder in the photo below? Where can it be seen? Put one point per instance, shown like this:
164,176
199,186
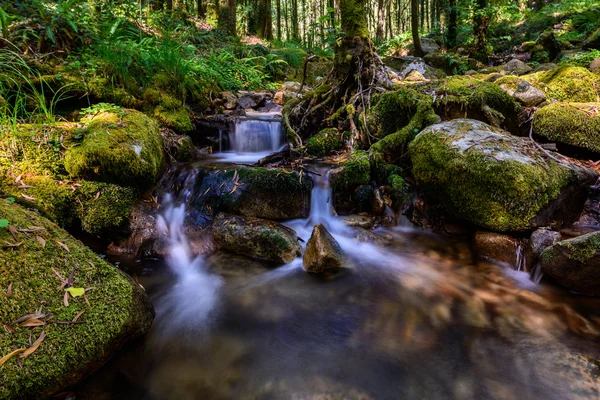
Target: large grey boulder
256,238
528,95
495,180
323,253
575,263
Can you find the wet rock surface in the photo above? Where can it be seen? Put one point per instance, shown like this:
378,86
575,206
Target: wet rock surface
497,246
323,253
575,263
256,238
541,239
495,180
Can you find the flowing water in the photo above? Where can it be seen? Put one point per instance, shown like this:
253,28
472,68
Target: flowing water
414,318
252,138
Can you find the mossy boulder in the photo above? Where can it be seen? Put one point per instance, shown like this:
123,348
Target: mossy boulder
396,117
565,83
576,124
168,110
466,97
575,263
494,180
32,171
115,311
274,194
124,148
325,142
354,171
257,238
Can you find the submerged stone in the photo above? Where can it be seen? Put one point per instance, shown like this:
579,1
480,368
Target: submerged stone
494,180
114,312
323,253
575,263
575,124
257,238
497,246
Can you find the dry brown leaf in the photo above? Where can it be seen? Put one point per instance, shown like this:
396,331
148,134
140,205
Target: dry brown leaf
9,290
64,246
66,299
9,356
9,329
41,241
91,264
76,317
34,346
13,232
25,187
8,244
97,195
27,197
26,317
18,178
32,323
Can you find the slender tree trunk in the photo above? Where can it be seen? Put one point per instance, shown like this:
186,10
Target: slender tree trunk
278,20
380,21
452,21
295,30
200,9
228,17
414,19
265,21
480,28
331,6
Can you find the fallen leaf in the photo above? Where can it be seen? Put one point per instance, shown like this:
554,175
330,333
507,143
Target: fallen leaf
26,317
66,299
27,197
91,264
71,277
13,232
9,290
64,246
18,178
8,244
9,356
97,195
25,187
75,291
76,317
41,241
33,322
34,346
9,329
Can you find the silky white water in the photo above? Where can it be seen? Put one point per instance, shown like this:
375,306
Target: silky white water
253,139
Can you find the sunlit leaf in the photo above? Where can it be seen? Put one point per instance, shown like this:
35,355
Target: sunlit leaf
75,292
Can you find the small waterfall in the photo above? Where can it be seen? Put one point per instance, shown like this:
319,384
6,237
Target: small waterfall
187,308
537,273
321,209
256,136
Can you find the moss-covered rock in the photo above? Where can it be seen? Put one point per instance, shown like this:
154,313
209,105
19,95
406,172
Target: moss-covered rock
575,263
274,194
396,117
354,171
32,171
565,83
494,180
466,97
576,124
113,312
122,148
326,141
257,238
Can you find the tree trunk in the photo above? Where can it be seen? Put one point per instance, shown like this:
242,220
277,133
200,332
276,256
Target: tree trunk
414,19
279,20
480,28
265,21
452,20
227,16
200,11
380,21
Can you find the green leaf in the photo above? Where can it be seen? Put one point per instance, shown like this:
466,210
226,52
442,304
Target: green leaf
4,223
75,291
10,199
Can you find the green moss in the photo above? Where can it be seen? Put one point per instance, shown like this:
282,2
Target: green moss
356,170
510,82
104,90
570,84
117,308
472,95
397,117
399,193
326,141
501,194
576,124
274,179
125,150
105,208
168,110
